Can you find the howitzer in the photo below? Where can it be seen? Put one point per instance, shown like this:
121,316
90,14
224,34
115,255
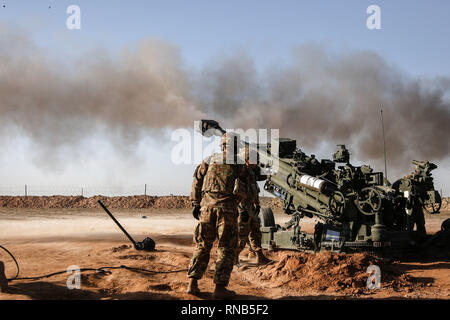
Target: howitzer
356,211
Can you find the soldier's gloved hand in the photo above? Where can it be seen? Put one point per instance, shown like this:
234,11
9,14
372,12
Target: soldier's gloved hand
196,212
244,216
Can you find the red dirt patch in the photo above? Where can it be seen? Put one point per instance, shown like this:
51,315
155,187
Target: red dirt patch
332,272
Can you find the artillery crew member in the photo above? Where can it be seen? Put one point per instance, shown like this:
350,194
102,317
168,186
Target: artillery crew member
414,208
220,183
249,222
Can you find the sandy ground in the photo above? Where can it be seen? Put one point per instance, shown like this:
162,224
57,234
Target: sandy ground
50,240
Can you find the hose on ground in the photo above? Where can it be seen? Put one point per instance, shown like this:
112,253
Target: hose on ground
99,269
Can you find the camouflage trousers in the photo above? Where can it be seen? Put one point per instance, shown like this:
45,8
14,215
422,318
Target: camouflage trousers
416,218
215,223
249,232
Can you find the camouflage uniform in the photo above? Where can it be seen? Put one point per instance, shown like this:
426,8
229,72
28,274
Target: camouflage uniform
250,231
415,214
216,190
416,217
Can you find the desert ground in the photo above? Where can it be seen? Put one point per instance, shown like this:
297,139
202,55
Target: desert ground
52,239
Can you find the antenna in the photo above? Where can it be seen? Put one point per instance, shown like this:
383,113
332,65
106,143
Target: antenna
384,145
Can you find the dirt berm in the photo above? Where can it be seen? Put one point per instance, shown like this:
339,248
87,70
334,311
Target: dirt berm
122,202
333,272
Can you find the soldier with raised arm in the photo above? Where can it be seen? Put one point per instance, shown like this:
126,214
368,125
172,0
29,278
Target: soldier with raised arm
249,222
220,183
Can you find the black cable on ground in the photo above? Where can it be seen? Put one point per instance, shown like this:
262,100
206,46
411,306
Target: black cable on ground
15,261
100,269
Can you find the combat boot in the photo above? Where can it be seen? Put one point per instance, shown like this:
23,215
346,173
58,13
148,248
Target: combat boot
223,293
261,258
3,280
193,287
236,260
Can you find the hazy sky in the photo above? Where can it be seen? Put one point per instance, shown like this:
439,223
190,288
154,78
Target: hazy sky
414,38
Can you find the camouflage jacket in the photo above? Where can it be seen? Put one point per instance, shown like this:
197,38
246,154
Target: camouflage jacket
253,193
218,183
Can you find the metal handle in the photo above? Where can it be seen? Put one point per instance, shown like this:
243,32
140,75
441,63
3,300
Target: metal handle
117,222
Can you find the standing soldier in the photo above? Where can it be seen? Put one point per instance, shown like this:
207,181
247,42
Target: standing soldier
220,183
414,207
415,217
249,223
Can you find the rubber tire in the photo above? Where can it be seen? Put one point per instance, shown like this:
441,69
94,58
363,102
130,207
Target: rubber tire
446,225
266,217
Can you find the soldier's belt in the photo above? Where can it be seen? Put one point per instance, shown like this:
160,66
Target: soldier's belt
217,194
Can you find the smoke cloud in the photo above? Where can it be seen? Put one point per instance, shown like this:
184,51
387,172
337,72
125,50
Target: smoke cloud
58,104
317,96
321,96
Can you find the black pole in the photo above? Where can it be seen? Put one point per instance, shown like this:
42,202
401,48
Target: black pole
384,145
117,222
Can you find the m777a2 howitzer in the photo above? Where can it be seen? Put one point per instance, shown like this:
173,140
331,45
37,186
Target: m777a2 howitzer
356,210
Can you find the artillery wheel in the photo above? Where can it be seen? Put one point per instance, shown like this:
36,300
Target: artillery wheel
446,225
266,217
369,201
